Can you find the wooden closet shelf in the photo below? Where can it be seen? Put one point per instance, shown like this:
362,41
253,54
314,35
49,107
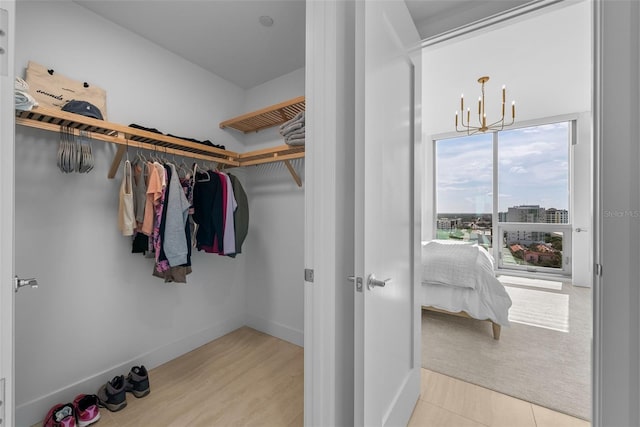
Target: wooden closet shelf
127,137
53,119
266,117
269,155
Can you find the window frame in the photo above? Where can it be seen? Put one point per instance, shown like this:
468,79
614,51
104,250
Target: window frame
431,214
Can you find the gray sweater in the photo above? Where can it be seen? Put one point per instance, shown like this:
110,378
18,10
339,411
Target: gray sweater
175,239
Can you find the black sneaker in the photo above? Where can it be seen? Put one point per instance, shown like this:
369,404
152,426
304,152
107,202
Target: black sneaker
113,395
138,381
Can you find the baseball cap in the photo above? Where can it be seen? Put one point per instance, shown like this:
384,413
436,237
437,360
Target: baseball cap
84,108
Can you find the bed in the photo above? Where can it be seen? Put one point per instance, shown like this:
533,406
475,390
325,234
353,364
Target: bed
458,279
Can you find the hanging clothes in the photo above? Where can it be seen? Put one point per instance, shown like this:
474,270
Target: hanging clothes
187,186
139,192
154,192
172,232
174,240
218,242
208,211
162,264
241,214
230,205
140,243
215,210
126,216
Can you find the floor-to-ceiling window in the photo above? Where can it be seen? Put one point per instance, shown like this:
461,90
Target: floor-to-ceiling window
509,192
464,183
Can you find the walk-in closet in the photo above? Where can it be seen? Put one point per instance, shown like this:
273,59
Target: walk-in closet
98,310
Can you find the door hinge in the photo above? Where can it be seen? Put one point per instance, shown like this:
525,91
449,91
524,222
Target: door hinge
2,400
598,270
308,275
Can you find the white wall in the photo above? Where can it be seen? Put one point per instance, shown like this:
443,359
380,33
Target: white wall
275,243
98,310
544,59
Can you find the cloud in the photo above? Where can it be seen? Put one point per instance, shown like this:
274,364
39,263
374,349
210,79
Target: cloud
518,169
532,169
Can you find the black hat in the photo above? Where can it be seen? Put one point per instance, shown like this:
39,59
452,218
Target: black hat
84,108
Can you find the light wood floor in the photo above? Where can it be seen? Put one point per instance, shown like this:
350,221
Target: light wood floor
247,378
448,402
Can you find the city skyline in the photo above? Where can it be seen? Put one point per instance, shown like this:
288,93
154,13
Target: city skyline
533,169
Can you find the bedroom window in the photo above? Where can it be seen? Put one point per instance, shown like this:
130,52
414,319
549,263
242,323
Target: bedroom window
509,192
533,188
464,183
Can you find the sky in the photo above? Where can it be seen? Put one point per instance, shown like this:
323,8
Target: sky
533,169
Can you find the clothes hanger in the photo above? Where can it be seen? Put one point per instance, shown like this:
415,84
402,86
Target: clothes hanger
185,168
204,172
154,154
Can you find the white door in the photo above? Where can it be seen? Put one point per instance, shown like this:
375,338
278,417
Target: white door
7,19
387,329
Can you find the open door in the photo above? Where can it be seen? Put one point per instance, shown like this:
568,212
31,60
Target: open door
387,328
7,129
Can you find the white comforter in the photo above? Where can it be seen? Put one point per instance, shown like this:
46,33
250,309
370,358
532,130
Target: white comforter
487,300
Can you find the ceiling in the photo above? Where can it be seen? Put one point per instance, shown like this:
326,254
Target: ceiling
226,37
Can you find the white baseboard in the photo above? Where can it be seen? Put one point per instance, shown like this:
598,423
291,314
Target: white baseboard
30,413
276,329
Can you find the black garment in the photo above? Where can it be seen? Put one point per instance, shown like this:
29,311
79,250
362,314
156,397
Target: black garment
205,142
140,244
185,184
207,211
154,130
162,256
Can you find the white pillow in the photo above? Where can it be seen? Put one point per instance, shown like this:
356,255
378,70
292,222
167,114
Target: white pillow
450,264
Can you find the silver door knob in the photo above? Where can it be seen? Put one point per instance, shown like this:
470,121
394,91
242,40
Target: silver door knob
372,282
19,283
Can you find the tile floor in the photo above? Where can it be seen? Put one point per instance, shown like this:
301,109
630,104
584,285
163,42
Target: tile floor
448,402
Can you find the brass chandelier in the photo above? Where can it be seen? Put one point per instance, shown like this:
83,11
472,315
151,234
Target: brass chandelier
482,115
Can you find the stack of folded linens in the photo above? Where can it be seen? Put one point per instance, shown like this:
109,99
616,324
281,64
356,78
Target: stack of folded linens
293,130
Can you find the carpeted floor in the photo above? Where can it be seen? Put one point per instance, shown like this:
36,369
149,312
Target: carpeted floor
544,357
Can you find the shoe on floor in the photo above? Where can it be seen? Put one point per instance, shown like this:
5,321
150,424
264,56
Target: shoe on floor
87,411
60,415
138,381
112,395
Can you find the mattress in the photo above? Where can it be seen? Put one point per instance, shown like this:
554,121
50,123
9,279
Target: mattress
488,300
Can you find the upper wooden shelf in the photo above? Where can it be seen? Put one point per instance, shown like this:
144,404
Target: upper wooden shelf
127,137
53,119
266,117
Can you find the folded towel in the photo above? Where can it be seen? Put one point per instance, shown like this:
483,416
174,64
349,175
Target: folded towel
294,133
295,142
294,138
292,127
24,101
298,118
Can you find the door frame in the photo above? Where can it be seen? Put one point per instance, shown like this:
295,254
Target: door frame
7,294
329,212
322,344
